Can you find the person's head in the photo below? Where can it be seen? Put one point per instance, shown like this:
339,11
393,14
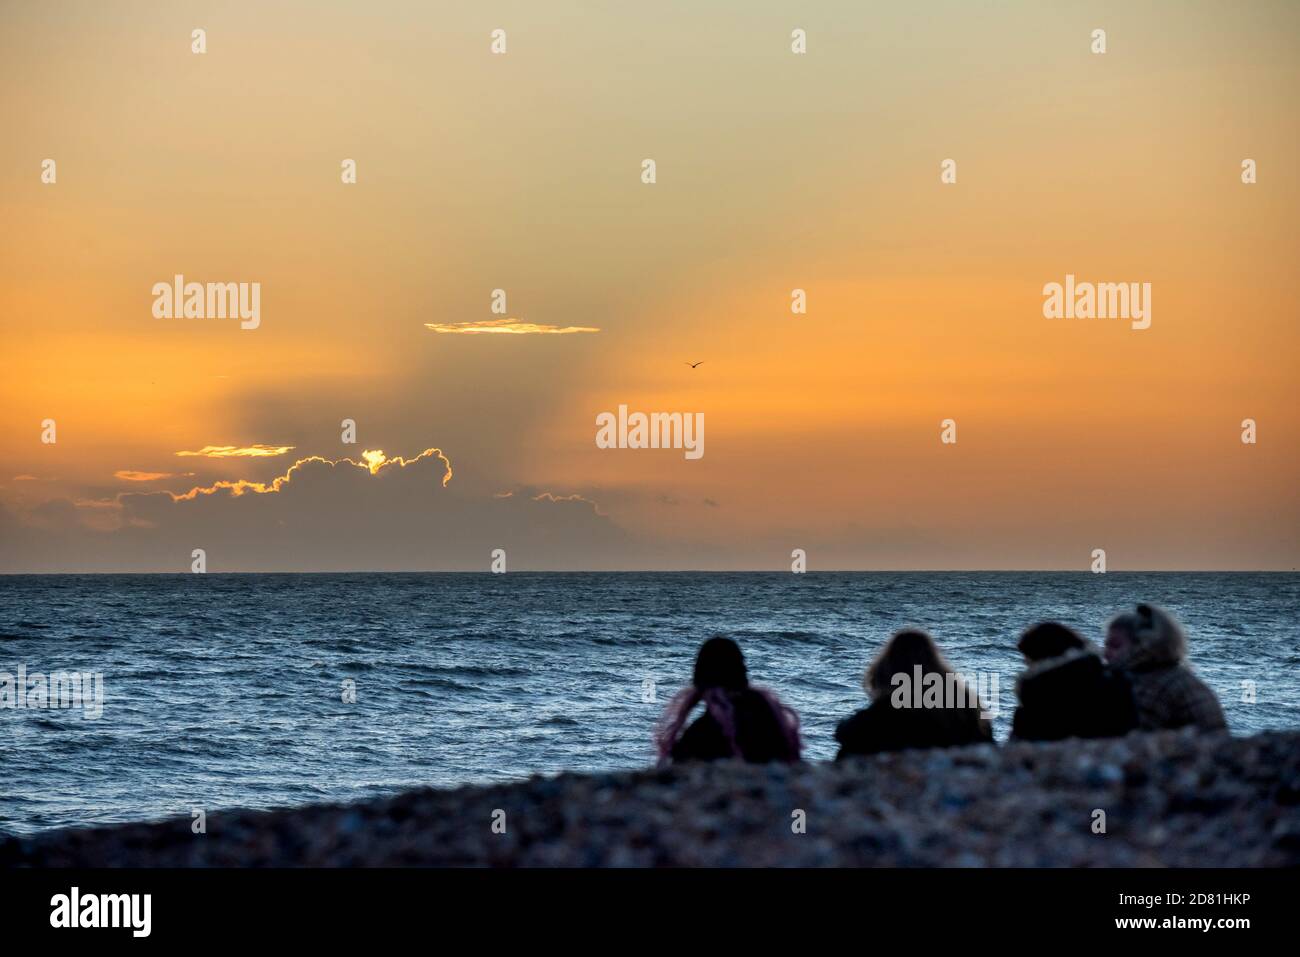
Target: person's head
720,665
1049,639
901,655
1147,635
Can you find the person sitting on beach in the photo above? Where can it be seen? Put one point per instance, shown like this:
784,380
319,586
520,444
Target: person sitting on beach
917,701
1066,691
1149,645
740,720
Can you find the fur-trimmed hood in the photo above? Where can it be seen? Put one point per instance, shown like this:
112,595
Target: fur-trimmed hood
1041,668
1158,639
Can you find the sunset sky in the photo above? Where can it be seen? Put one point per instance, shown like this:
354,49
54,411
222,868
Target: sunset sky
775,171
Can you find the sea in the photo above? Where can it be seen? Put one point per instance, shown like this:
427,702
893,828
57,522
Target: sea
275,690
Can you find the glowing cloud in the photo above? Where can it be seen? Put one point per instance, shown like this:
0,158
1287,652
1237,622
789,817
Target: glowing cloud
235,451
513,327
372,461
130,475
575,497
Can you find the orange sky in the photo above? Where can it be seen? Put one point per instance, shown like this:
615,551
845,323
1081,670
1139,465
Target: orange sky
775,171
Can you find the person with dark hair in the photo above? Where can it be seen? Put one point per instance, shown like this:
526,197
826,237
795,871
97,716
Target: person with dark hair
917,701
1066,691
1149,645
740,720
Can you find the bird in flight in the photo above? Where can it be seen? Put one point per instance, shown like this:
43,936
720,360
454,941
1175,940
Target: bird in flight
694,364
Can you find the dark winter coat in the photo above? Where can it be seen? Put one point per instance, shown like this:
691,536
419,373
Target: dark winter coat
883,727
1073,695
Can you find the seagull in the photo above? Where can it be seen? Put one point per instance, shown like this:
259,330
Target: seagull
694,364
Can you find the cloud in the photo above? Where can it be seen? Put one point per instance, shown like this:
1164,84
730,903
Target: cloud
130,475
25,478
551,497
505,327
234,451
372,461
371,513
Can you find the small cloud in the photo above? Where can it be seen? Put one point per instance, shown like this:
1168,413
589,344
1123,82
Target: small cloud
711,503
512,327
25,478
235,451
109,503
551,497
130,475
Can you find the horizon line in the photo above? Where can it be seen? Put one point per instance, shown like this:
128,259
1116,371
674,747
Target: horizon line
691,571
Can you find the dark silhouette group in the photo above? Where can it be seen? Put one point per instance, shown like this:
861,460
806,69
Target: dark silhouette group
1141,681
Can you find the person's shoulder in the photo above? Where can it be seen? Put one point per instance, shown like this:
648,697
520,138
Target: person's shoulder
1043,682
1074,665
1206,701
855,724
699,740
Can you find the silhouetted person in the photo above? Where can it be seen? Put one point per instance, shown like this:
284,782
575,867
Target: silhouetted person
1066,691
917,701
1149,645
739,719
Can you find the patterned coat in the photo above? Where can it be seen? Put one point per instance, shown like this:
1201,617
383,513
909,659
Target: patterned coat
1167,693
1171,696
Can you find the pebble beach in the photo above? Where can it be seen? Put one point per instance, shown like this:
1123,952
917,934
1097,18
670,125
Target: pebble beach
1172,799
